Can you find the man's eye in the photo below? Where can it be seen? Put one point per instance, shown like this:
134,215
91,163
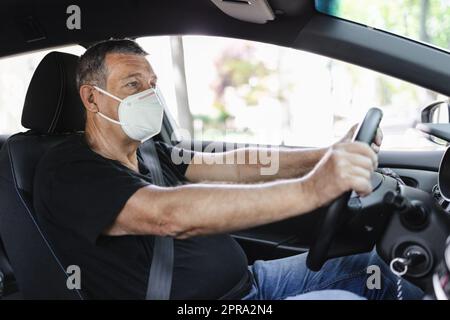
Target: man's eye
132,84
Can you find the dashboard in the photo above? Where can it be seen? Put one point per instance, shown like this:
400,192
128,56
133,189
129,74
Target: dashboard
441,192
441,201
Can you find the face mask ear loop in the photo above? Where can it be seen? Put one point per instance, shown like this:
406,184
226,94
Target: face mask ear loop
108,94
108,118
111,96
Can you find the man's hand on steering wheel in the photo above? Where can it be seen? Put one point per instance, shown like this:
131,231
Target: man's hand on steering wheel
375,144
340,154
346,166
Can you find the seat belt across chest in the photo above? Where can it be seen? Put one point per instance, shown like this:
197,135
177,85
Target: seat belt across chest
160,275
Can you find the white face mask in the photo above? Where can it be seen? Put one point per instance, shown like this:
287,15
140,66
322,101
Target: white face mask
140,114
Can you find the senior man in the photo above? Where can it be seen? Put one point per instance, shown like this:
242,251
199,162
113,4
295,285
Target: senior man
101,208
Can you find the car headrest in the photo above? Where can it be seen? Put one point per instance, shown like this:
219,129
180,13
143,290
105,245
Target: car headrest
52,104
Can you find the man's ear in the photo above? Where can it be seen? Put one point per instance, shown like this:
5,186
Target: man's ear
89,98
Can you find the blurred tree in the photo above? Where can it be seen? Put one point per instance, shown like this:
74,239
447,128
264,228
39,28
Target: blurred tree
237,67
423,20
284,87
252,81
424,34
424,13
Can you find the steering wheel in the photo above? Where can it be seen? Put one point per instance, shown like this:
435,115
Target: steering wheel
318,252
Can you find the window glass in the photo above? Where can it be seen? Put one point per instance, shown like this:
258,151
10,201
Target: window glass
421,20
249,92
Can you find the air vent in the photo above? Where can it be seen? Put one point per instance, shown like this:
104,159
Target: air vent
255,11
436,193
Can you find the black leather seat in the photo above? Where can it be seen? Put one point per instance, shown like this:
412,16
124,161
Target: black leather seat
52,110
3,138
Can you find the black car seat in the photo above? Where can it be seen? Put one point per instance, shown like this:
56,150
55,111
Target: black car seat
7,280
3,138
52,110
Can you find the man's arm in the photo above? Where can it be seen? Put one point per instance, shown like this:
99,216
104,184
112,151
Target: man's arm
249,165
201,209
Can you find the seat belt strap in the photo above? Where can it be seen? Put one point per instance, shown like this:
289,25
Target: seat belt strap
160,275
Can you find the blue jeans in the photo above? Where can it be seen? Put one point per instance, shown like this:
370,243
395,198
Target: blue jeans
339,279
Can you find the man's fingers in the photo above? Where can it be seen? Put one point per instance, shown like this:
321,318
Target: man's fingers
379,137
363,162
360,148
375,148
361,172
377,141
362,187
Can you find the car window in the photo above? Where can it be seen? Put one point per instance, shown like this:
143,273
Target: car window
249,92
421,20
15,76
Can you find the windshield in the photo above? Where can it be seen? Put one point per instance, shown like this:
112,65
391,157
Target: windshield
421,20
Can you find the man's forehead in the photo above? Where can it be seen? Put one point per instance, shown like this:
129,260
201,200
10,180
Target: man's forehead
121,65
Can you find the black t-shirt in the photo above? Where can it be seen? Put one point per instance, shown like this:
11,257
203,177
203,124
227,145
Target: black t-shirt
78,194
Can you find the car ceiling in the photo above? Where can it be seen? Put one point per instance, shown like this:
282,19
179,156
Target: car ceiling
101,19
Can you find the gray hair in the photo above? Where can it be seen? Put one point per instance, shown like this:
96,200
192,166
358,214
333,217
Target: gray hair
91,67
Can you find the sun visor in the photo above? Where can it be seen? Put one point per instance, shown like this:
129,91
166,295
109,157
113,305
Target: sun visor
255,11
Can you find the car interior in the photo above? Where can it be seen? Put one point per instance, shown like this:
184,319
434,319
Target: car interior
407,215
